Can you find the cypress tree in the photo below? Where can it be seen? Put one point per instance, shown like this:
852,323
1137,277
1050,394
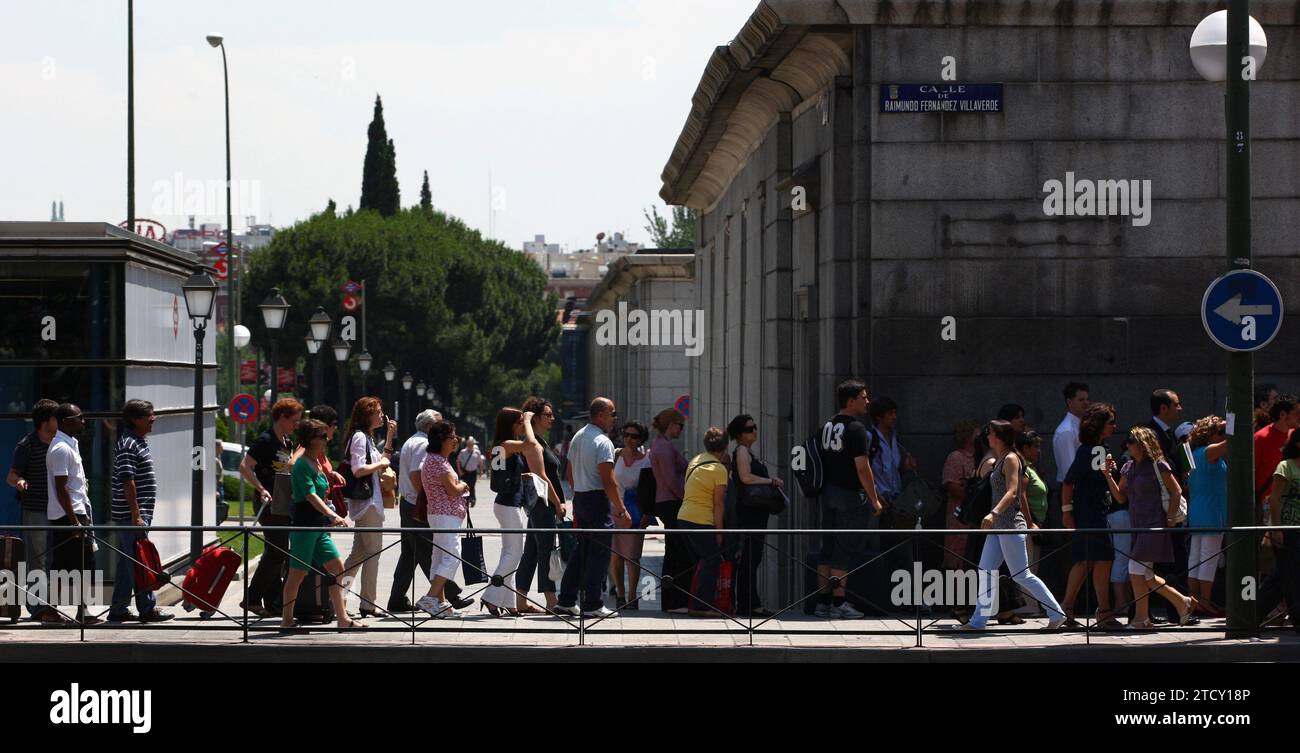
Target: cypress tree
373,186
390,202
426,196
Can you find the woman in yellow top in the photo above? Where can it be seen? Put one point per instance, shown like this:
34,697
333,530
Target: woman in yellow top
702,508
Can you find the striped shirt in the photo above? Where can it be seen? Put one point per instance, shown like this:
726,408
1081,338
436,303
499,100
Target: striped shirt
133,462
29,462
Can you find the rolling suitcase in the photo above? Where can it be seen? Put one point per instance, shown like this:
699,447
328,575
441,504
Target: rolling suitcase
206,582
12,554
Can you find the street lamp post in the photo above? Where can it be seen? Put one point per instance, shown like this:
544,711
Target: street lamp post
1229,46
313,349
341,349
274,311
408,381
232,308
200,292
319,330
363,362
390,373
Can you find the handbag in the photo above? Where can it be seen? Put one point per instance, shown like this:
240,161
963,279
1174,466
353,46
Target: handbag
1165,500
421,512
646,490
353,487
282,495
149,573
471,555
388,487
723,594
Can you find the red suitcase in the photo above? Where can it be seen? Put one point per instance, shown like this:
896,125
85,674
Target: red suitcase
149,574
205,584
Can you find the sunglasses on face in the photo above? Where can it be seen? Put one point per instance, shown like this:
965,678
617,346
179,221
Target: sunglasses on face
750,428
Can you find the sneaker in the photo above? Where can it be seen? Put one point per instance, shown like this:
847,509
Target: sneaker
433,606
560,609
602,612
127,616
823,610
156,615
846,611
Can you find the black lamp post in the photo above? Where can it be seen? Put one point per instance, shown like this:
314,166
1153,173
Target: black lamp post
274,311
363,362
408,382
341,349
218,40
200,293
390,374
313,349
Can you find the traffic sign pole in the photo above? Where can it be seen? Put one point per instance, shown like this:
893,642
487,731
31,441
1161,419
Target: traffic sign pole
1242,618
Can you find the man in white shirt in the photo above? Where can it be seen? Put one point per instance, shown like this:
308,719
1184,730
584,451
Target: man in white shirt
1065,442
69,506
596,502
468,463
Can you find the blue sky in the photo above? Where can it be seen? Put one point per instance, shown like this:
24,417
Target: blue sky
572,106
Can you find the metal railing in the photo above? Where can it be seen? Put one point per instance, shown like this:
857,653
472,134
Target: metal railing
908,547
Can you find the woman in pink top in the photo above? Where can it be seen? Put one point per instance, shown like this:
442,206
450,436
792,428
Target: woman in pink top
669,467
445,492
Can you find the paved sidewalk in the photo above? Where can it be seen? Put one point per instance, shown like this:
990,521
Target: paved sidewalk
647,633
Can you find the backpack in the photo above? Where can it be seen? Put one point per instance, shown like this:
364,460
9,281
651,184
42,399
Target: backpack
978,500
809,477
506,480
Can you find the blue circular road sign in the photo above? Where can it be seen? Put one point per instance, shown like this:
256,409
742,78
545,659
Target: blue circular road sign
1242,311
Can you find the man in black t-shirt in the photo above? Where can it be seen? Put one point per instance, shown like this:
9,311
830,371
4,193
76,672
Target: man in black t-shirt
27,475
271,453
849,500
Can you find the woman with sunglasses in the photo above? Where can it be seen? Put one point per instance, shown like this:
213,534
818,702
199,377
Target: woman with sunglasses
1207,507
1139,488
542,517
515,451
446,493
750,471
628,462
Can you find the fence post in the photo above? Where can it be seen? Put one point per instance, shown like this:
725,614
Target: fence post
244,535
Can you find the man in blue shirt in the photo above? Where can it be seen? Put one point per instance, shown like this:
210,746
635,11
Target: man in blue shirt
134,490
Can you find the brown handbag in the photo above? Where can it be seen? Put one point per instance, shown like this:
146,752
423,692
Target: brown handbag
421,514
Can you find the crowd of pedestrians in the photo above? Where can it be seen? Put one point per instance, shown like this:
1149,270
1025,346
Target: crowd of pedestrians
612,479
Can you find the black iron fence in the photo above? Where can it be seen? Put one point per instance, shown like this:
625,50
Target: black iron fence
860,584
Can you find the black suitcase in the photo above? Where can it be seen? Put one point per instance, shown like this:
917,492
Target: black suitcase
313,602
12,554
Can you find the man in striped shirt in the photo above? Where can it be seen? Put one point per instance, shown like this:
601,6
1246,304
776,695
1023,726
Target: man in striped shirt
134,491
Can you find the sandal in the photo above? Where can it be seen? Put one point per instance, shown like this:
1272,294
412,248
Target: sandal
1109,623
1011,618
353,625
1188,617
529,609
1135,625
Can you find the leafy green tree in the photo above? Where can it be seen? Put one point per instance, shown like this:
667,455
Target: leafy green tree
680,235
466,314
379,189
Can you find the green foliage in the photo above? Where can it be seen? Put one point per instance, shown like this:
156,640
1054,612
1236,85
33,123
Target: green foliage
468,315
223,427
680,235
379,189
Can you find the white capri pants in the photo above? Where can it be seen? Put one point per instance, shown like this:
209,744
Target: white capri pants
1144,569
512,550
1204,555
446,546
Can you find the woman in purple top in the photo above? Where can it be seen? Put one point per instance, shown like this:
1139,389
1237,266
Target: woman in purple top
1139,486
669,466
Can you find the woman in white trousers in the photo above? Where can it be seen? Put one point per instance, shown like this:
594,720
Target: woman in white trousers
515,452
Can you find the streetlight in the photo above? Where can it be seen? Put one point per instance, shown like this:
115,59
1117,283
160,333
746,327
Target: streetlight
318,327
407,382
363,361
313,349
1221,42
200,293
390,373
274,311
341,349
232,313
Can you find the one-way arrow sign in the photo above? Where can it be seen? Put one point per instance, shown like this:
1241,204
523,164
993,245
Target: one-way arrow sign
1232,310
1242,311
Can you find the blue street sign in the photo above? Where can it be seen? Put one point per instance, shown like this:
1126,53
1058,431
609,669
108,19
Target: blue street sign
1242,311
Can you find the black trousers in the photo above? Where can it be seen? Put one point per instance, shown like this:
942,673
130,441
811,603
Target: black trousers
267,585
416,548
537,551
678,563
748,558
470,477
71,551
